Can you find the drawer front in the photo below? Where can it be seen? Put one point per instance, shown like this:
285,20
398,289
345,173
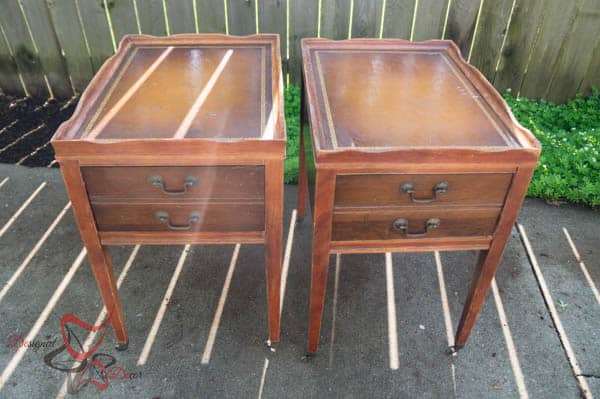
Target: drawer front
421,189
180,217
406,223
176,181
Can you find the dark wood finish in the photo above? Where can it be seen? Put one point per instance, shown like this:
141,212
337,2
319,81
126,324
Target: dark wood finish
386,189
162,111
384,113
209,181
359,224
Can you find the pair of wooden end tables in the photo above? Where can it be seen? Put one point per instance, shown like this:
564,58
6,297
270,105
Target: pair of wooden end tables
181,140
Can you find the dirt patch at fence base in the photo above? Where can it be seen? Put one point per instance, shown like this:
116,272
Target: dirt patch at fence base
26,126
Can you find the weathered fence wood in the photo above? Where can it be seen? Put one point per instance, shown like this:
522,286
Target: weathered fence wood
48,48
491,30
303,23
23,48
366,18
10,82
537,48
242,17
556,24
152,17
211,16
335,19
575,55
97,32
520,39
398,18
70,36
272,18
430,19
180,14
460,27
123,19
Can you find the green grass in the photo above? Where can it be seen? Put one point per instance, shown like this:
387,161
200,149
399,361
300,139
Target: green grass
569,167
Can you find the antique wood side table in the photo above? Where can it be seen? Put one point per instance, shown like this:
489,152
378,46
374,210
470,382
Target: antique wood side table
179,140
414,151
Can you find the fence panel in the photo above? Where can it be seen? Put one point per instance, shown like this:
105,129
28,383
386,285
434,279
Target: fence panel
592,76
94,20
335,19
304,22
241,16
366,18
430,19
152,17
70,36
272,19
576,55
23,49
491,30
10,82
48,48
462,20
398,18
181,16
211,16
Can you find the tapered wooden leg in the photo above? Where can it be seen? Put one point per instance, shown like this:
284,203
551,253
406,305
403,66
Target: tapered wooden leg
97,253
489,260
322,220
273,243
302,178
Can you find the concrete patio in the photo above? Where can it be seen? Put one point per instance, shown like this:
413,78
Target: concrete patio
197,315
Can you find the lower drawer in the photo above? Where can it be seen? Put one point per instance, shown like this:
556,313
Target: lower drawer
179,217
393,224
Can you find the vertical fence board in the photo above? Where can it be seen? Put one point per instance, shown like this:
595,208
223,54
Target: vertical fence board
272,17
398,18
490,34
49,51
122,16
180,14
592,76
152,17
462,19
335,18
576,54
242,18
366,21
211,16
10,83
429,23
556,24
70,36
520,39
26,58
97,31
303,23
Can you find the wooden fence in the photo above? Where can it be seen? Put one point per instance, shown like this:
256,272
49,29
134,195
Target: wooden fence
537,48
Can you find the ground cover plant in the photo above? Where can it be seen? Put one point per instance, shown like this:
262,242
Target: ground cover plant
569,167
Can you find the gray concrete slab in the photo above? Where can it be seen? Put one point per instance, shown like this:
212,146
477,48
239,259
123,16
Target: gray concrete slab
578,309
356,364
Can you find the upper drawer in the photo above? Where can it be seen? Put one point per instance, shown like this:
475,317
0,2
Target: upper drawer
397,189
176,181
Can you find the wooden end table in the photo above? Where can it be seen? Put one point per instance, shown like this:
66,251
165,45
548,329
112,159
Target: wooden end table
179,140
414,150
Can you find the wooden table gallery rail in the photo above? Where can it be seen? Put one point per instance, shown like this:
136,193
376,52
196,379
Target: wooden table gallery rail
179,140
414,151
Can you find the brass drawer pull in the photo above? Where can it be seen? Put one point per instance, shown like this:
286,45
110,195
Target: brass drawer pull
401,224
158,181
164,217
409,188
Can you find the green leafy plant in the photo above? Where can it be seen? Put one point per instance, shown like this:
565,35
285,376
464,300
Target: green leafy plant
569,167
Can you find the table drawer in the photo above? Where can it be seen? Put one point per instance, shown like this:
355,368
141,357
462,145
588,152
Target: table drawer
179,217
403,223
176,181
396,189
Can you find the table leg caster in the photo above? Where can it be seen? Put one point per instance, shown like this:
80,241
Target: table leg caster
272,346
453,350
309,356
122,346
